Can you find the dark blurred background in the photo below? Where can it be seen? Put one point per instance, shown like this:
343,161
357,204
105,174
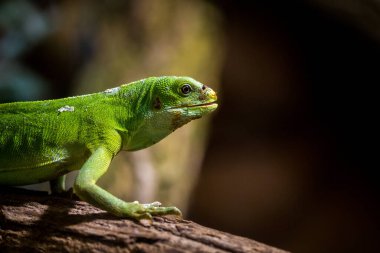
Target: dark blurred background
291,156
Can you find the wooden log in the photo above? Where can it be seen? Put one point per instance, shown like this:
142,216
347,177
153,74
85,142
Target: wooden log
37,222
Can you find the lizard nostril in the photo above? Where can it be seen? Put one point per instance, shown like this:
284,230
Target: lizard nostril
204,87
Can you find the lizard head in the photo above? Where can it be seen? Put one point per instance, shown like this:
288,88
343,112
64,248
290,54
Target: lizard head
170,102
182,99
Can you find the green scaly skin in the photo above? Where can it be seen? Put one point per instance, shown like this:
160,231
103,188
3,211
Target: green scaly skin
44,140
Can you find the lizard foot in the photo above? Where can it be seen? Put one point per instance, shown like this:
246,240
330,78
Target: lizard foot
147,211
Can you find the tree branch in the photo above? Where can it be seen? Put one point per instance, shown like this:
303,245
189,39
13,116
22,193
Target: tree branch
36,222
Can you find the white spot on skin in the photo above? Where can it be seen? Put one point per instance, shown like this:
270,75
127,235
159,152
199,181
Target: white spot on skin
112,91
66,108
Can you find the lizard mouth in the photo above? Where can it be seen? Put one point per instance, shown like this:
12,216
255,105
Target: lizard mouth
210,105
203,105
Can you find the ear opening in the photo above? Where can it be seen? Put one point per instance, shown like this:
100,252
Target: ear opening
157,103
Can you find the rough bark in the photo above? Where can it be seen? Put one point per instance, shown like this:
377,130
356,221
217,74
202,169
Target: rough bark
37,222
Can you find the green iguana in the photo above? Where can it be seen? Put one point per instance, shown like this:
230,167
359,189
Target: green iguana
44,140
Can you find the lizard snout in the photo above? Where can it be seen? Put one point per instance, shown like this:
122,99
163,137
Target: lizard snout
208,94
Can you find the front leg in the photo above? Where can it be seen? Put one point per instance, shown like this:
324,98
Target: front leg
86,189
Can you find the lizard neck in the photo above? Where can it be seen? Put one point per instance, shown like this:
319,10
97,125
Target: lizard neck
132,112
139,123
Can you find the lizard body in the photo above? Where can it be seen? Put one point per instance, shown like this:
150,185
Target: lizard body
44,140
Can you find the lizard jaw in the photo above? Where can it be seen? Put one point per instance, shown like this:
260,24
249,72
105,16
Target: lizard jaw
211,105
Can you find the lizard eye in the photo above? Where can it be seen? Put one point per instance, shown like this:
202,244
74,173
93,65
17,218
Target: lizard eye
186,89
